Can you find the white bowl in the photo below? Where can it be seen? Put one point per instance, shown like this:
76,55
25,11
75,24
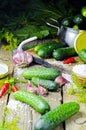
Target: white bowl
79,75
3,70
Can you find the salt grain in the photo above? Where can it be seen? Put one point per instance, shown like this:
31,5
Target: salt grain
14,105
80,70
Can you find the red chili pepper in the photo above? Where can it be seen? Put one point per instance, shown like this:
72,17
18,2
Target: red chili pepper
14,89
69,60
4,89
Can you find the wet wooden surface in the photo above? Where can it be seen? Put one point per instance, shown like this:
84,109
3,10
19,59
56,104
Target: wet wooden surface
27,116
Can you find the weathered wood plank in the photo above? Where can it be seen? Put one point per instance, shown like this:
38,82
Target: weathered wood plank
28,116
21,111
54,100
78,121
70,123
5,57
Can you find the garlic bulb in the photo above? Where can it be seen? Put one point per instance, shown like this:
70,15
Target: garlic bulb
20,57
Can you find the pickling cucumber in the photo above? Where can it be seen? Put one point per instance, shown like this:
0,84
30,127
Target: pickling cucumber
48,84
39,46
35,101
62,53
82,55
46,44
46,51
40,72
53,118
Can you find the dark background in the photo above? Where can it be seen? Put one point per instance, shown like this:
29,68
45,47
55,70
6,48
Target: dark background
16,15
9,5
78,3
19,8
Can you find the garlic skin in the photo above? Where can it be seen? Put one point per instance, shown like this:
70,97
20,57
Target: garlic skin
32,89
42,91
23,58
60,80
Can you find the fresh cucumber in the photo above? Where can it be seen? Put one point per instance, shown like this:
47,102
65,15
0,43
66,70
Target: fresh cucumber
62,53
53,118
66,22
41,72
46,51
48,84
82,55
37,47
35,101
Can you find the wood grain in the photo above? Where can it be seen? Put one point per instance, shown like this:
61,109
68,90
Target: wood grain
27,115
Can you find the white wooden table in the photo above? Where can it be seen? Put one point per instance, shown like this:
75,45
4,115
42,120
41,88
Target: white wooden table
26,115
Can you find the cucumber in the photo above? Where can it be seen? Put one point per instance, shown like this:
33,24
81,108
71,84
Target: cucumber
40,72
53,118
63,53
35,101
46,51
78,19
48,84
82,55
36,48
66,22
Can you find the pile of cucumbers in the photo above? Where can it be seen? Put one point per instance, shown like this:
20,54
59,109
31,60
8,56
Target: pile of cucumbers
73,22
45,50
76,21
54,49
50,119
43,76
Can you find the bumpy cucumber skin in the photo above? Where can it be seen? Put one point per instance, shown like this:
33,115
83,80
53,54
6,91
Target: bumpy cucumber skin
82,55
38,47
62,53
35,101
52,119
46,51
48,84
41,72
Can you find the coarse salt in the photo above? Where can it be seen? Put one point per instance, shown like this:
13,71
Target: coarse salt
80,70
13,104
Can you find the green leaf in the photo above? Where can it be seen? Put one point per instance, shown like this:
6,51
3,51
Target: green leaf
41,34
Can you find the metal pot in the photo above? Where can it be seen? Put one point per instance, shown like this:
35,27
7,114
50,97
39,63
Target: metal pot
65,34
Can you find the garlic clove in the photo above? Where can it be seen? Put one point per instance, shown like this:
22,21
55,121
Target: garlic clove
32,89
22,58
61,80
42,91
